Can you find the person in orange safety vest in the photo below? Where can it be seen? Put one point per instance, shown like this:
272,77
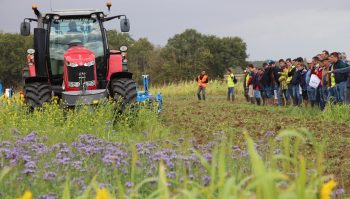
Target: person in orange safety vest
202,81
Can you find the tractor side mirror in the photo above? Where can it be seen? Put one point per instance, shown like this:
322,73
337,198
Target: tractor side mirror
25,28
125,25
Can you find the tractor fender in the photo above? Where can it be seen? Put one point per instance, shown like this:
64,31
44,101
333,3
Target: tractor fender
121,75
29,80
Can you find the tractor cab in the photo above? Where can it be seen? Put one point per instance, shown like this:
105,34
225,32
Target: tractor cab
72,56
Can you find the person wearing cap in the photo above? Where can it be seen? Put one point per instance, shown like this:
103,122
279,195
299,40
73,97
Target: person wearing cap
339,78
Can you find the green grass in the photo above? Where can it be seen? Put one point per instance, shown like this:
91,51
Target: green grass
308,156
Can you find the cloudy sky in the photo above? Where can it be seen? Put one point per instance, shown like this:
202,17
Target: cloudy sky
272,29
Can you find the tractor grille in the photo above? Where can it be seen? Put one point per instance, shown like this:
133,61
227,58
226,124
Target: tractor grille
73,73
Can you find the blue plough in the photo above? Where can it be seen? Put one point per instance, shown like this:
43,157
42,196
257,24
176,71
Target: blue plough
145,97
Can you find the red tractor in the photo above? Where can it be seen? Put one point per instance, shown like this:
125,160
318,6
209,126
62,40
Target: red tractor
71,59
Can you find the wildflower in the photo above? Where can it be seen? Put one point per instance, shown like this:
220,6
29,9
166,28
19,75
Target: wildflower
50,176
327,188
206,180
128,184
27,195
102,194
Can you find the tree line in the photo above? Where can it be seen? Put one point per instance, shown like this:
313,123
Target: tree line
181,58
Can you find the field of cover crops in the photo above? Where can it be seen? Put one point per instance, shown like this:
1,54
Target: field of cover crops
207,149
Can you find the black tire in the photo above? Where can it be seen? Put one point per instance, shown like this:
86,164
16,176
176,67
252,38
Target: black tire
37,93
123,90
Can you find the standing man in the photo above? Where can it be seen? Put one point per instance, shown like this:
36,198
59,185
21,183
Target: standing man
202,81
340,78
291,71
231,81
345,71
245,81
249,84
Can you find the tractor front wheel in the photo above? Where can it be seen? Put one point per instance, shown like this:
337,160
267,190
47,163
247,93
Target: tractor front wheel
37,93
123,90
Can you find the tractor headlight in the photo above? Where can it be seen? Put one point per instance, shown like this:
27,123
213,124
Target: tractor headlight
90,63
71,64
73,84
94,16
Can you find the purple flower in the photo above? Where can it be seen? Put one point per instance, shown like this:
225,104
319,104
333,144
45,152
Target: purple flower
128,184
50,176
29,139
338,193
269,134
30,165
77,165
40,148
6,143
171,174
102,185
208,156
206,180
28,171
276,150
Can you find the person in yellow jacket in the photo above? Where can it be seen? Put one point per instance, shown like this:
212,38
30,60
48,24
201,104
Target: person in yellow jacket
202,81
231,81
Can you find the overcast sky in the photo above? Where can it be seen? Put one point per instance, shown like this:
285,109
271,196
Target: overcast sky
272,29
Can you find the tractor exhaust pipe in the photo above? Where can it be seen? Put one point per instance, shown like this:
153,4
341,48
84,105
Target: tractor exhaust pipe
39,15
39,45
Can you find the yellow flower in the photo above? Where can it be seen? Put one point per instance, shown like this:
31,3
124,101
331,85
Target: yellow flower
27,195
102,194
327,188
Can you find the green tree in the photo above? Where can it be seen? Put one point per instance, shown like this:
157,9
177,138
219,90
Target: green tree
117,39
139,57
13,54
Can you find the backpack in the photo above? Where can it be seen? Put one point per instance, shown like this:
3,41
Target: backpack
234,79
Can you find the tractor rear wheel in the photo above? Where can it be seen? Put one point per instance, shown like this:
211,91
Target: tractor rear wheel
123,90
37,93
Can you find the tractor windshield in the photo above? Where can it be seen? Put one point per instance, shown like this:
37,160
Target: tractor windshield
64,32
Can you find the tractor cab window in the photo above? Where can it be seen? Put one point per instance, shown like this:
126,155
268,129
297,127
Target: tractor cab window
64,32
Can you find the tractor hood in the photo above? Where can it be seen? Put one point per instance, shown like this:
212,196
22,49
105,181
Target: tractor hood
79,56
79,69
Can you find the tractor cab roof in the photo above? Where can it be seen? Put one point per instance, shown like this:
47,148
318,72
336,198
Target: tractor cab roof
75,12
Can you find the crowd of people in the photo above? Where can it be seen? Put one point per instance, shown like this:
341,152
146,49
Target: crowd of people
315,82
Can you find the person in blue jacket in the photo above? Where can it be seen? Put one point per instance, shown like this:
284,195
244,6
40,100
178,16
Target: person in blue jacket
0,88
